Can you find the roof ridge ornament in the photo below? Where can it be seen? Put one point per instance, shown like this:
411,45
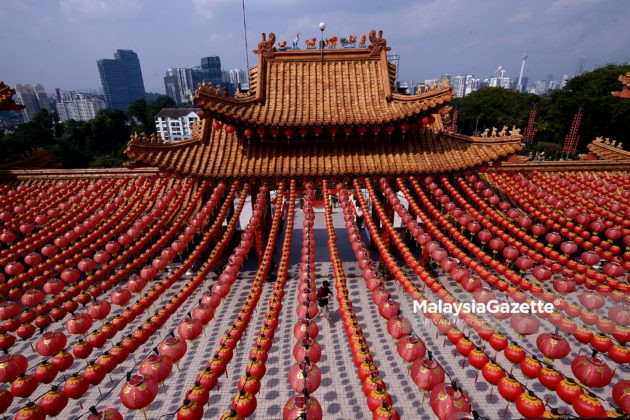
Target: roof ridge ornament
265,47
377,44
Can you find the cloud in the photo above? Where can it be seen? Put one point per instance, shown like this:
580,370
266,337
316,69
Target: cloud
77,9
219,39
206,8
562,5
521,17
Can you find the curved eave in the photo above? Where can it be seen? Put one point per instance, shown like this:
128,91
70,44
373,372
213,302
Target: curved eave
426,151
608,152
569,165
247,111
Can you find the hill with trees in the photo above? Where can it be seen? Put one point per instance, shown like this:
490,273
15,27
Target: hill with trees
602,114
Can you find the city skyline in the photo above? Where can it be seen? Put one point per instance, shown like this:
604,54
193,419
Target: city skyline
431,37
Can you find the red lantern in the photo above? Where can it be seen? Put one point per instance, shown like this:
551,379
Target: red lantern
302,406
448,402
304,375
11,365
591,371
51,343
157,366
530,406
54,401
427,374
31,411
588,406
174,348
190,410
621,395
24,385
79,323
553,345
244,403
138,392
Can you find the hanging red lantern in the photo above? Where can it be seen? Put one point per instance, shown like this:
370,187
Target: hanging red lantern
54,401
568,390
591,371
79,323
304,375
529,405
24,385
46,372
524,324
553,346
588,406
51,343
138,392
427,373
448,401
30,411
244,403
105,414
6,398
11,365
621,395
302,406
158,366
411,348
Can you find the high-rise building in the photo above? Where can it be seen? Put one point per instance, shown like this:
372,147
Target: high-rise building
175,124
121,79
33,97
211,67
77,106
181,82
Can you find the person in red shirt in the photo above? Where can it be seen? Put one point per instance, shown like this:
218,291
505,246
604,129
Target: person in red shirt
323,293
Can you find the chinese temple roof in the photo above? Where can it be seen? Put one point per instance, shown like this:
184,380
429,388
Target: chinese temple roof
322,112
39,158
6,101
607,150
427,149
331,87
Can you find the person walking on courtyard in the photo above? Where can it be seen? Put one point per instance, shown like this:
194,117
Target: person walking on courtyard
323,293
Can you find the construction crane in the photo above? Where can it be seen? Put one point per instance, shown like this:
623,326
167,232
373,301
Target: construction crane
499,72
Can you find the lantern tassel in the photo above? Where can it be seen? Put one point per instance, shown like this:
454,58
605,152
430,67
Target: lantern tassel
476,377
424,394
164,387
491,389
144,413
506,408
176,364
99,390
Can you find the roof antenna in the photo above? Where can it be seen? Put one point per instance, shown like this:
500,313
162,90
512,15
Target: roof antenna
245,35
322,27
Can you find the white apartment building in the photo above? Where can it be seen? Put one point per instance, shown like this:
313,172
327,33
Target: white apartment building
175,124
77,106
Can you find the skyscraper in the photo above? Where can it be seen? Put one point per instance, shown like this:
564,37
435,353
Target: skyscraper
181,82
121,79
211,67
77,106
33,97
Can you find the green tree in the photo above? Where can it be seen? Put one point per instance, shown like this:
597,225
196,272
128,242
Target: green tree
155,107
27,136
138,109
602,114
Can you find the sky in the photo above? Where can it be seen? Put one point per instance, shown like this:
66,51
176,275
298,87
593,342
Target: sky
57,42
